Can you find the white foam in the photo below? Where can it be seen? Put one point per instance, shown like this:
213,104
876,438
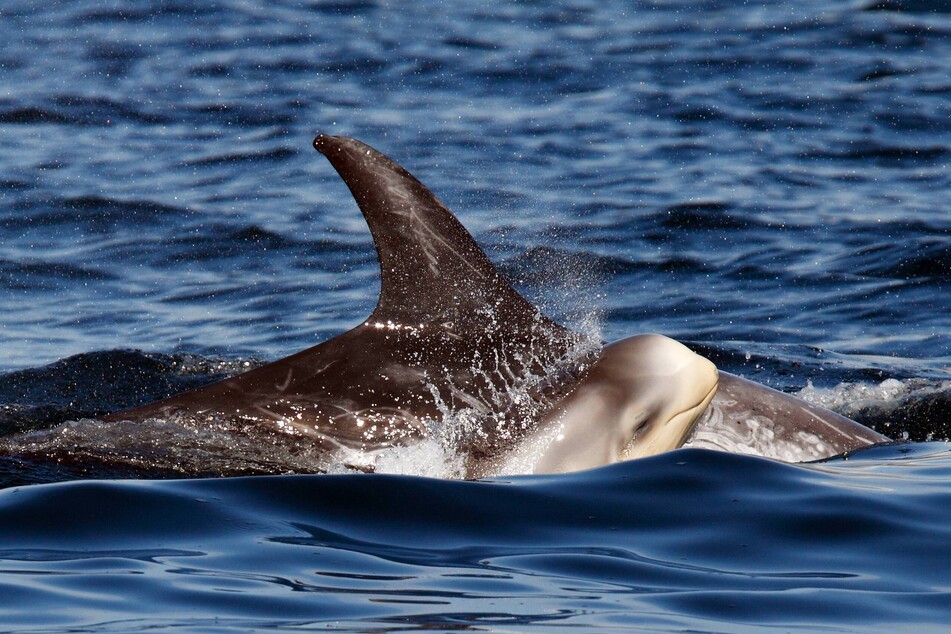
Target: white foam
429,457
884,396
500,416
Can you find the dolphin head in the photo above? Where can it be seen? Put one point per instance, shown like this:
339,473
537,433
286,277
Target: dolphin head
641,397
667,387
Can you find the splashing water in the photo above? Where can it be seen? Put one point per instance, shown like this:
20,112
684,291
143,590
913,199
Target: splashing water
492,422
909,409
885,395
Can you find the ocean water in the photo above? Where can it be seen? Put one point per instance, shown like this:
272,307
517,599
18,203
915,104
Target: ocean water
766,182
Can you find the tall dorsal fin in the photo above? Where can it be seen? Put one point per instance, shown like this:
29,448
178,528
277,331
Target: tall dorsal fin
431,268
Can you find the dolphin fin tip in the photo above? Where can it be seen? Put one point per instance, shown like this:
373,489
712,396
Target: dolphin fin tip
328,143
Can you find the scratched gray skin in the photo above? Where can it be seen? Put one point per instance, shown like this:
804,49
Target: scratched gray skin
450,334
749,418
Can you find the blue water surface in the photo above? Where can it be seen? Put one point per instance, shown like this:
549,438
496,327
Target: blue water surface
692,540
767,182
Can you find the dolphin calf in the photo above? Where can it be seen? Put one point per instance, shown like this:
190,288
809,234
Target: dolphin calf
450,339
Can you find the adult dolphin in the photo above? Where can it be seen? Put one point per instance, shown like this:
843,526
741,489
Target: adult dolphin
450,336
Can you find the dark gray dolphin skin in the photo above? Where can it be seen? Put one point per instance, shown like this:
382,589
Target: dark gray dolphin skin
450,335
448,332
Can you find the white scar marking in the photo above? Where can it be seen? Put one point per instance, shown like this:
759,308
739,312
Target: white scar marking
421,229
283,386
319,370
829,425
269,413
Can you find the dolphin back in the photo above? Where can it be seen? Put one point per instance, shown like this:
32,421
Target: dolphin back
448,333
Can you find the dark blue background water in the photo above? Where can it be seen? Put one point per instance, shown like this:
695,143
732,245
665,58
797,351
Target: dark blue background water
766,181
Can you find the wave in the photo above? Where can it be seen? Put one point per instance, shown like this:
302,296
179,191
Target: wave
883,154
909,409
94,383
276,154
81,110
692,539
926,258
908,6
32,275
92,211
701,215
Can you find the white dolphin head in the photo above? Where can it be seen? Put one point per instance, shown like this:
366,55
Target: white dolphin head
641,397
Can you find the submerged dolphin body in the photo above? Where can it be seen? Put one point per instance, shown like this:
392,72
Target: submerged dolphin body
449,335
746,417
